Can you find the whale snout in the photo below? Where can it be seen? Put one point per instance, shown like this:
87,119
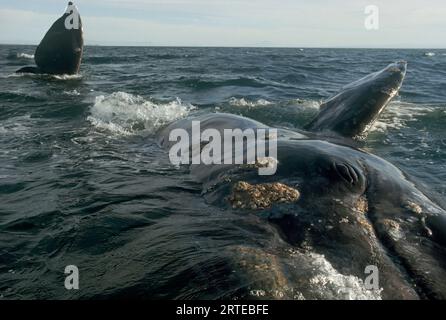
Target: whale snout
402,65
398,67
391,79
352,112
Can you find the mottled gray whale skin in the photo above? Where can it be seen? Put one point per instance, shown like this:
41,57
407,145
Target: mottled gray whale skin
60,51
355,210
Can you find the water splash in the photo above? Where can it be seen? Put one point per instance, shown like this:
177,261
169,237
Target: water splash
242,102
398,114
330,284
124,113
25,56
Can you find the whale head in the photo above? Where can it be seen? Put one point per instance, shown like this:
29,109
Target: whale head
353,111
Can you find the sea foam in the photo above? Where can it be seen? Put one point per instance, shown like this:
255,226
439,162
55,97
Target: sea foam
330,284
25,56
398,114
124,113
242,102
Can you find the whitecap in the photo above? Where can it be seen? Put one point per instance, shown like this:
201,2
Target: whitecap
330,284
15,75
429,54
301,103
242,102
305,104
25,55
127,114
17,126
72,92
64,77
398,114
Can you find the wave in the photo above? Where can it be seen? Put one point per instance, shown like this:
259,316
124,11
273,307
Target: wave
127,114
18,59
110,59
72,92
170,56
25,56
242,102
331,284
398,114
429,54
297,104
298,112
324,282
21,96
62,77
289,113
19,125
133,58
66,77
20,56
206,84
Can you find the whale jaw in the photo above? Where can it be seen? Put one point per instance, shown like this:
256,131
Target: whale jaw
353,111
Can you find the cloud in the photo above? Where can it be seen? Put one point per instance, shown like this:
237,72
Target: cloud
23,26
337,23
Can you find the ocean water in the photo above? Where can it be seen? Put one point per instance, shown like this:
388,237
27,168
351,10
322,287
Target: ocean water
82,181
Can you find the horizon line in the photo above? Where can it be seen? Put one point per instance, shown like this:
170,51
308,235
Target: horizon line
240,47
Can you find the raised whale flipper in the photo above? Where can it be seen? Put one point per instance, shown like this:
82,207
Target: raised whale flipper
60,51
352,112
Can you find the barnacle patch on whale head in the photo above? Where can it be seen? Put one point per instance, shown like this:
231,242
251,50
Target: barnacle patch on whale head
393,229
413,207
264,162
362,205
261,196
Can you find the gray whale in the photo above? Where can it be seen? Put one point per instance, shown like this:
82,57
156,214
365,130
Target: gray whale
331,207
60,51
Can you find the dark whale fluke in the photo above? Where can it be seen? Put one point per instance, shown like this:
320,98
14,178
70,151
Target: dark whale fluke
353,111
60,51
34,70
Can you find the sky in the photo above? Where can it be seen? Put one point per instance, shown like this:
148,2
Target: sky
238,23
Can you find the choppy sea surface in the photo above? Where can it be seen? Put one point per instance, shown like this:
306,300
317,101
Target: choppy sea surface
83,182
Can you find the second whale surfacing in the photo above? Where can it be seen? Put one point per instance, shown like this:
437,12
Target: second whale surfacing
60,51
329,212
